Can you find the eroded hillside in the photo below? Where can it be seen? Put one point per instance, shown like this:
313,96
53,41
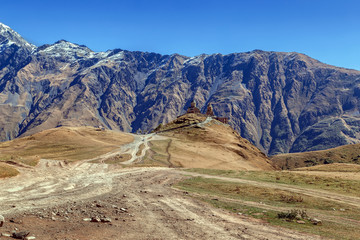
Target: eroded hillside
281,102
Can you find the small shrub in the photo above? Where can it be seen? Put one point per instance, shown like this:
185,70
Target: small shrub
310,162
293,214
328,161
291,199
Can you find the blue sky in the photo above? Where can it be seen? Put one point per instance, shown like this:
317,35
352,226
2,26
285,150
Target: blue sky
326,30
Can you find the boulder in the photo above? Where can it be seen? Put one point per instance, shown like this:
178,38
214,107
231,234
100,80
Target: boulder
2,220
316,221
95,219
20,235
105,220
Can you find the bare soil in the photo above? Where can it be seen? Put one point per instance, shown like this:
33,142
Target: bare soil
52,200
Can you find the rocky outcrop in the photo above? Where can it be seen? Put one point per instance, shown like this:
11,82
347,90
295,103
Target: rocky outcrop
278,101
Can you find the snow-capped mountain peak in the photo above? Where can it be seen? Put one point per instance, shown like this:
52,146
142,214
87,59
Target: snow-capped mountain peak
9,37
65,49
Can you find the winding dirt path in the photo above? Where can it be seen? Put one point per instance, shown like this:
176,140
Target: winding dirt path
131,149
153,209
52,199
354,201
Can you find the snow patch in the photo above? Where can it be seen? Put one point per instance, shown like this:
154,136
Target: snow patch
69,50
13,38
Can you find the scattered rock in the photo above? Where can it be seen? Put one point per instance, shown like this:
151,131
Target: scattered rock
300,221
20,235
87,219
5,235
105,220
95,219
316,221
2,220
30,238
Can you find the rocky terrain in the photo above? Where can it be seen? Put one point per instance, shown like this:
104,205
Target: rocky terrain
87,183
99,201
281,102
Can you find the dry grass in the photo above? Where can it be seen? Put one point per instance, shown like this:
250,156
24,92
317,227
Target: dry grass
213,146
141,148
65,143
336,184
266,204
270,196
334,167
342,154
181,122
157,156
118,159
7,171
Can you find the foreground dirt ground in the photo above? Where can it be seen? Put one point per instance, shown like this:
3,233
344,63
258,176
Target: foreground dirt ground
56,200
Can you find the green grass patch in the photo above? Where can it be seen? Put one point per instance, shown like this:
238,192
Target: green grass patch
334,184
244,199
270,196
159,154
327,229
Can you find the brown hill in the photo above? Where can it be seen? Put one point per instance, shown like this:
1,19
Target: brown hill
64,143
342,154
333,167
200,142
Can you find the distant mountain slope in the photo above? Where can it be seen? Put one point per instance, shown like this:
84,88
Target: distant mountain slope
281,102
344,154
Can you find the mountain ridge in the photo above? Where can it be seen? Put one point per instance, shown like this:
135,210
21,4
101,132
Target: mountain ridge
278,101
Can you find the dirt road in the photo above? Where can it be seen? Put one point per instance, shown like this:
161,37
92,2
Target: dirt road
350,200
133,149
55,201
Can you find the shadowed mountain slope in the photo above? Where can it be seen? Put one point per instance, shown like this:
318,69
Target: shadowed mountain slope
281,102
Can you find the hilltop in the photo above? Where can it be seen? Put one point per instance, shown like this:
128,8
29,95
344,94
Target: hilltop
64,143
199,141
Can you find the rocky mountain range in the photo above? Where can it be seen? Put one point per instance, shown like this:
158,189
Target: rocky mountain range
281,102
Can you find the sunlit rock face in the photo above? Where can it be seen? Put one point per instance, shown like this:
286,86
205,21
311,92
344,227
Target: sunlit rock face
281,102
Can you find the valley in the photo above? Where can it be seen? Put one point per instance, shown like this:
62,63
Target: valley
167,120
143,188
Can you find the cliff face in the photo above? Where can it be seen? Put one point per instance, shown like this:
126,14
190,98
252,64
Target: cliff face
281,102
